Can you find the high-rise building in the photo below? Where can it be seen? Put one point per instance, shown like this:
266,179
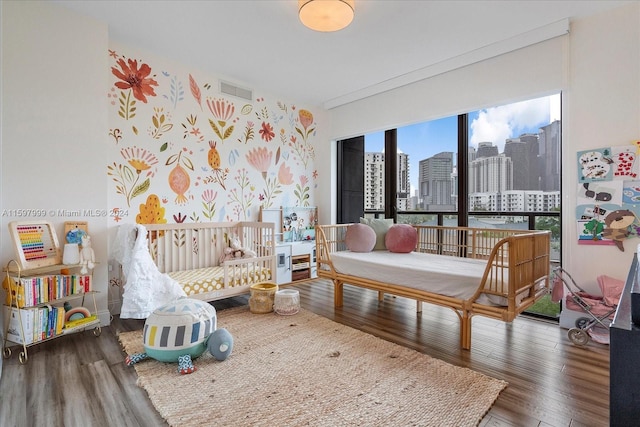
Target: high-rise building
523,152
486,149
435,182
374,181
403,190
490,174
550,157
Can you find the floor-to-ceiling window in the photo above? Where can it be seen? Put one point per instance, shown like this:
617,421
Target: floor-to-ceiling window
497,167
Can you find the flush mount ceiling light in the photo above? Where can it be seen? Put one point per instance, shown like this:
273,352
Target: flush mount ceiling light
326,15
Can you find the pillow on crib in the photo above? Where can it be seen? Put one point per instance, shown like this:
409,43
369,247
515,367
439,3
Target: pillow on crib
360,238
380,226
401,238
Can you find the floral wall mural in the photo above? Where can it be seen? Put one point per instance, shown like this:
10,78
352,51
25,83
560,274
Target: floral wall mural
184,152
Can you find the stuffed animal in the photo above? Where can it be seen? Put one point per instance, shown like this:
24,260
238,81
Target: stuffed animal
239,251
180,332
227,254
87,256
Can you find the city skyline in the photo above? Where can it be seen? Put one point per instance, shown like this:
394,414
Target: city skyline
495,125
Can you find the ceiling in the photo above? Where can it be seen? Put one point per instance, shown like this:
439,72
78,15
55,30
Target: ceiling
262,45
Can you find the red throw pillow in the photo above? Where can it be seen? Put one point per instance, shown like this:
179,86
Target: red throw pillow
360,238
401,238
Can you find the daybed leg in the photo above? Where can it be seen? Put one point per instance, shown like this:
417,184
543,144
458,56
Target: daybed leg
380,296
418,306
465,331
338,293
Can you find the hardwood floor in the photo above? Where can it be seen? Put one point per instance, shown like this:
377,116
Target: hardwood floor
81,380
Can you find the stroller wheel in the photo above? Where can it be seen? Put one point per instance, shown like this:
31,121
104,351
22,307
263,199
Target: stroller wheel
578,336
582,322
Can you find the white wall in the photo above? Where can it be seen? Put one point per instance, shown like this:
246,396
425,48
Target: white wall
54,121
601,108
597,66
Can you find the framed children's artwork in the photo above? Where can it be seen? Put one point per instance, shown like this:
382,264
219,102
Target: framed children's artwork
608,195
36,244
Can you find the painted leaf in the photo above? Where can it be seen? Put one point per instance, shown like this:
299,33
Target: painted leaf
215,128
228,132
246,109
277,155
172,159
195,90
233,155
187,163
141,188
128,173
134,129
164,146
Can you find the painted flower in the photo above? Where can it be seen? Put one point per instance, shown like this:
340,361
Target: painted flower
260,158
140,159
221,109
209,195
135,78
306,118
267,132
284,175
303,180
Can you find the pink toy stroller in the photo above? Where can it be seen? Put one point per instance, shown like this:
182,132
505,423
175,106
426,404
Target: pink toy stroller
598,308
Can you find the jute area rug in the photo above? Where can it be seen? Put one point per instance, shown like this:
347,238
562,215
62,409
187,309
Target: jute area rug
306,370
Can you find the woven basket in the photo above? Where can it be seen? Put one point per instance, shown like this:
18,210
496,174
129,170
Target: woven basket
262,296
287,302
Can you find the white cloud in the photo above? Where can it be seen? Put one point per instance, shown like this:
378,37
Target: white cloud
508,121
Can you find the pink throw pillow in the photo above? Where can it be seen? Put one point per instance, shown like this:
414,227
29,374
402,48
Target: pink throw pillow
401,238
360,238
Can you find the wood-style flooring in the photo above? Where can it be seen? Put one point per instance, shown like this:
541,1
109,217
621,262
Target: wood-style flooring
81,380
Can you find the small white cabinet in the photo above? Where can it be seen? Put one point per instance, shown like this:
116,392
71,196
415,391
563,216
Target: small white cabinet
296,261
283,263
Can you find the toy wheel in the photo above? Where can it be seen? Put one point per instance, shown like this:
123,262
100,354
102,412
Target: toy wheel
582,322
7,352
578,336
97,331
23,358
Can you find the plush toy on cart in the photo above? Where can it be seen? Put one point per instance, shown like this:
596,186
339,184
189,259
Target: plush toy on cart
180,332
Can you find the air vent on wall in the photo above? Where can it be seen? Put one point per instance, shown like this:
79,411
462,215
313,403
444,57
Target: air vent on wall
230,89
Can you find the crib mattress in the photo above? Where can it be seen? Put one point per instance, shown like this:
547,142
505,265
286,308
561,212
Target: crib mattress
202,280
442,275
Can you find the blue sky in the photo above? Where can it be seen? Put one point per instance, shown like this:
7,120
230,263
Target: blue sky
496,124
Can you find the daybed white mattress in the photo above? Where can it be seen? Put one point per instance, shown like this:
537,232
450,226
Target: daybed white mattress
443,275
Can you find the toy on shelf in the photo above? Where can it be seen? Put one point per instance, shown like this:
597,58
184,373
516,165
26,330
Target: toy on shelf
36,244
87,256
